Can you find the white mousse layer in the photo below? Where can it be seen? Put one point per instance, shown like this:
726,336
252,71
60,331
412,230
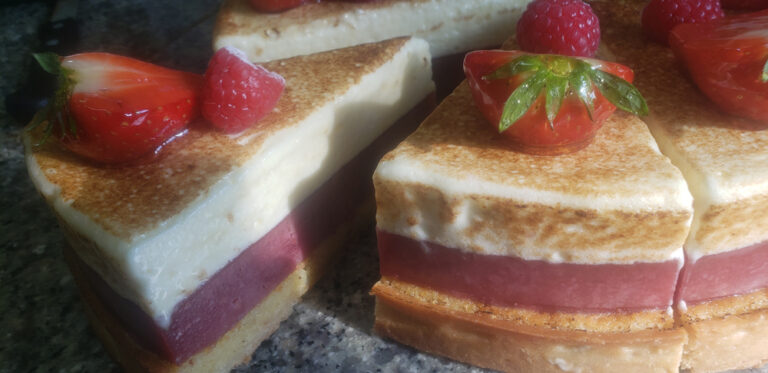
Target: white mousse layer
725,169
423,219
450,26
163,266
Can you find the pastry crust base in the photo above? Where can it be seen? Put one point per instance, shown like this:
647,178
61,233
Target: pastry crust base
236,346
729,333
489,340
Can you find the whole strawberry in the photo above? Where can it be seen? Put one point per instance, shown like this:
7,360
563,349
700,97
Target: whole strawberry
238,93
115,109
660,16
567,27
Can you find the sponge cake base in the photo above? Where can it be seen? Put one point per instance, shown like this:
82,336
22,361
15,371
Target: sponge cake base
729,333
481,338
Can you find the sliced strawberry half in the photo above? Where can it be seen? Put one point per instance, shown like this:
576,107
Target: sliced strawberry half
549,104
115,109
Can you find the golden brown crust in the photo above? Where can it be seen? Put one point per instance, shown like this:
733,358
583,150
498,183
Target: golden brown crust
730,333
158,190
621,164
457,139
733,305
523,318
486,341
714,153
234,347
734,225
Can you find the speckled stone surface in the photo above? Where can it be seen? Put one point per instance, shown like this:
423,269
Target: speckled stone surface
42,324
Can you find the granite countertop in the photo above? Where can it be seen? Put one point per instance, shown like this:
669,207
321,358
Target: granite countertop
43,327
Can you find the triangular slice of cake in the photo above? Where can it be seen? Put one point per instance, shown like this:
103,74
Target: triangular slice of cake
188,261
449,26
723,291
529,263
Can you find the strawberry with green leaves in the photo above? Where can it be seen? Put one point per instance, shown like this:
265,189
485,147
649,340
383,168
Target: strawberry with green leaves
114,109
549,104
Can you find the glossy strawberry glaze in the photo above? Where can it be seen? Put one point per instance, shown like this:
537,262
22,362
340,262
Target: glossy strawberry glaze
720,275
571,129
725,59
216,306
535,284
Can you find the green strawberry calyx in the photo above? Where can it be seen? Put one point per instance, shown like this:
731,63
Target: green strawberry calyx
556,77
57,113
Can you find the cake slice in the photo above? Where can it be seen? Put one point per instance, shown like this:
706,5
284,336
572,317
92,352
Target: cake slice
531,263
188,261
722,296
451,27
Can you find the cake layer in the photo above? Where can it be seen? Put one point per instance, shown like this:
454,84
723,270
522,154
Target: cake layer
721,275
725,164
450,26
539,285
728,333
162,228
239,342
204,315
503,340
454,182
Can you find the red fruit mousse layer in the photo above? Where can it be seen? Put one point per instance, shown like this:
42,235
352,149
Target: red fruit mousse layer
223,300
514,282
722,275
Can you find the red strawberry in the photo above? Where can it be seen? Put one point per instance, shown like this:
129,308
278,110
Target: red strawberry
745,4
660,16
548,104
727,61
566,27
272,6
114,109
238,93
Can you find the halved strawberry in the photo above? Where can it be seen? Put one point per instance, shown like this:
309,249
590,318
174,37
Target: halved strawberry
114,109
728,61
549,104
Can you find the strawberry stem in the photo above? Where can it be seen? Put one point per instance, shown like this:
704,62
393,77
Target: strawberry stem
522,99
582,86
557,76
556,88
620,93
764,78
50,62
56,113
